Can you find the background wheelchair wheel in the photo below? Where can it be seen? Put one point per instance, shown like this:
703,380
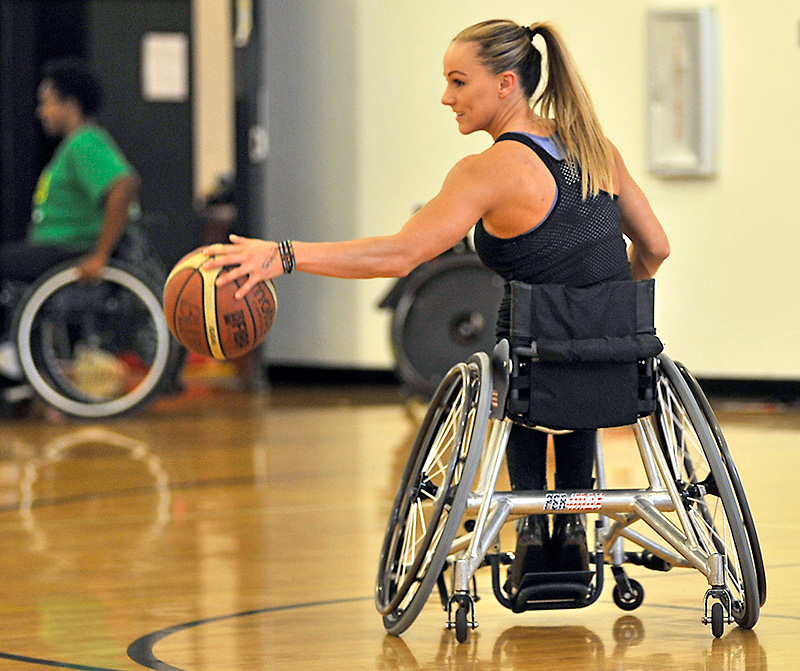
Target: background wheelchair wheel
705,487
97,349
736,482
448,312
432,494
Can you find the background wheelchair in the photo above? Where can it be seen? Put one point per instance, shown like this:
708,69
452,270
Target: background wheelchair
447,516
93,350
443,311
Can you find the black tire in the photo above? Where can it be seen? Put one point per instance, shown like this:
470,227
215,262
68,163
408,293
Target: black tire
462,623
717,620
702,480
632,600
448,312
432,494
98,349
736,482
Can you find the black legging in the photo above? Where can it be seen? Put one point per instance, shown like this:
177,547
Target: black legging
526,453
23,262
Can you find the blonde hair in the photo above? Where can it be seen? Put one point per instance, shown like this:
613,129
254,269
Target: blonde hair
564,99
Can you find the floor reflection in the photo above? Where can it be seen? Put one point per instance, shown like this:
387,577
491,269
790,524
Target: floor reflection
577,648
42,466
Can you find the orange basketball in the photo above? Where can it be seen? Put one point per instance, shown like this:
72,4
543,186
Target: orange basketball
207,319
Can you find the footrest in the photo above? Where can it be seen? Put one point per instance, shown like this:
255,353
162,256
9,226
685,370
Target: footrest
559,589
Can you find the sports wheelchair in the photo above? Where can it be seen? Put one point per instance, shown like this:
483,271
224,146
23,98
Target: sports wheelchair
568,365
91,350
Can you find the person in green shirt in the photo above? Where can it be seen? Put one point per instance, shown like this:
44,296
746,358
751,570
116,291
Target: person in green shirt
85,194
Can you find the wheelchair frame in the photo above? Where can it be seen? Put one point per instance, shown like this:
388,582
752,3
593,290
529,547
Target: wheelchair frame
450,483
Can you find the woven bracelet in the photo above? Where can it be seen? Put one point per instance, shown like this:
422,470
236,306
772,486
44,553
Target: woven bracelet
287,256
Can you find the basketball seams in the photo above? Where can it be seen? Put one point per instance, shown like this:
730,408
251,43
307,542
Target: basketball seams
177,303
193,261
178,299
215,319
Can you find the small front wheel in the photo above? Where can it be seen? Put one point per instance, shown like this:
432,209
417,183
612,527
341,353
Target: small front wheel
631,599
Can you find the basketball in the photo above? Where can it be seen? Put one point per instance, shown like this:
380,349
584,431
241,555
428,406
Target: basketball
207,319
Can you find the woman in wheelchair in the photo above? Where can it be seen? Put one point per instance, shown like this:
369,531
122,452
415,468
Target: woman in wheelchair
562,221
554,204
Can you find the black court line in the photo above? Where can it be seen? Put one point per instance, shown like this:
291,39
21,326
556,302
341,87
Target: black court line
141,650
51,663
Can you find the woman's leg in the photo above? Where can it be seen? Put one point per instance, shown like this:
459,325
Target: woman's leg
575,453
526,454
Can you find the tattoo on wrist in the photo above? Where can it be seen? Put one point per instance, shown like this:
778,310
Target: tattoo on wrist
271,258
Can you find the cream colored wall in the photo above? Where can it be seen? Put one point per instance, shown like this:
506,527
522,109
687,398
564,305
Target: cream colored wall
212,86
726,299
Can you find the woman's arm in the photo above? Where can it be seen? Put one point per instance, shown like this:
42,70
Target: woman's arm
649,244
444,221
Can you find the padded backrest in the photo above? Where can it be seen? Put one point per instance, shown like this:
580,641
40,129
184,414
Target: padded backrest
582,357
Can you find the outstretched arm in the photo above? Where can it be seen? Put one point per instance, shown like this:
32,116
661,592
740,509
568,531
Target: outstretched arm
435,228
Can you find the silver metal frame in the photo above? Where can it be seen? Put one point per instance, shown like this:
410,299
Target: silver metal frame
622,507
618,510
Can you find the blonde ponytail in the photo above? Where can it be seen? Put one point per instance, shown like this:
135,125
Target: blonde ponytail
565,99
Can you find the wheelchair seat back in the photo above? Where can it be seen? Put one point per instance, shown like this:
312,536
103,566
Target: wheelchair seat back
582,358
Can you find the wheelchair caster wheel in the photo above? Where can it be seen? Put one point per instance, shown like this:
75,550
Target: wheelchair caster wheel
629,600
462,624
717,620
463,619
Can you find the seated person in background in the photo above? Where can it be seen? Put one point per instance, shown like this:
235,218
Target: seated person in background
86,192
85,195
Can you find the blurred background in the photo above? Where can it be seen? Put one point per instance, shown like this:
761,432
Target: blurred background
322,121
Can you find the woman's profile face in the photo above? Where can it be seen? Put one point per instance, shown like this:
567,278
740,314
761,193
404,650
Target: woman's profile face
472,91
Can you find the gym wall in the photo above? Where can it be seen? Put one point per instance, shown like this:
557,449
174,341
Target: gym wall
359,139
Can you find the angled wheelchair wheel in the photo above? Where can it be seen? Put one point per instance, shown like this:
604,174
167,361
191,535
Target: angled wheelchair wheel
704,484
432,494
97,349
736,482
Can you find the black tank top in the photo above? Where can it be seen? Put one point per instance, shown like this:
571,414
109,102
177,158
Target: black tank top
578,244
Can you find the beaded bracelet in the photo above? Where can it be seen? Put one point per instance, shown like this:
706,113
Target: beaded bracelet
287,256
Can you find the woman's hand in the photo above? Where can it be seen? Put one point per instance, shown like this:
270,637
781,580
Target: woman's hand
250,258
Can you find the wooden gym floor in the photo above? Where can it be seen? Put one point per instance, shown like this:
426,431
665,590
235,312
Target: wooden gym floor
231,531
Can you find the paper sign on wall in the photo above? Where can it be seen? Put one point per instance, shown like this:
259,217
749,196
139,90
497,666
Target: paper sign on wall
165,67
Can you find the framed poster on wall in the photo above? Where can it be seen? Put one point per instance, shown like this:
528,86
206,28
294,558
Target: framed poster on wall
682,95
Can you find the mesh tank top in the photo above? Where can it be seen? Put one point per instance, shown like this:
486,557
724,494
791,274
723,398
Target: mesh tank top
578,244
